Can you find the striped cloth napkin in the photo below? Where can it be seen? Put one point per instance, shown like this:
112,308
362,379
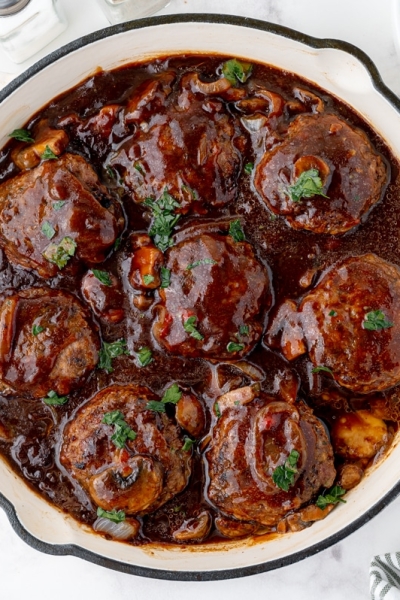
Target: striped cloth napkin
384,577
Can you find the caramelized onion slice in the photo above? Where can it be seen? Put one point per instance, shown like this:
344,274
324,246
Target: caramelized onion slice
193,81
124,530
238,397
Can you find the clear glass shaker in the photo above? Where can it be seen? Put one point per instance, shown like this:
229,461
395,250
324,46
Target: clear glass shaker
26,26
118,11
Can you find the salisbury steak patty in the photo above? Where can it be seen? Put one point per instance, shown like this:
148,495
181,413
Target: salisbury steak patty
53,212
136,474
353,175
250,442
216,299
47,342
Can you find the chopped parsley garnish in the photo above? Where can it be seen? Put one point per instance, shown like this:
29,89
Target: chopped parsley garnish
233,347
190,327
114,515
59,204
156,406
217,410
375,320
189,190
54,399
309,184
244,330
48,230
110,172
148,279
322,368
165,277
236,231
139,167
48,154
22,135
173,394
60,254
164,219
248,168
198,263
109,351
145,356
117,243
236,70
102,276
333,313
36,329
283,476
188,444
333,496
122,431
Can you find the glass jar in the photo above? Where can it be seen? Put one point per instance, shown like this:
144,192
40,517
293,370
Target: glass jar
118,11
26,26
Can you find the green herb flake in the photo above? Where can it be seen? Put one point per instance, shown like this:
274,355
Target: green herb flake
48,154
172,395
233,347
333,496
236,231
236,71
165,277
122,431
333,313
60,254
217,410
198,263
59,204
117,243
22,135
248,168
190,327
283,476
139,167
244,330
109,351
189,191
188,444
48,230
309,184
53,399
145,356
164,219
116,516
110,172
103,277
376,320
156,406
148,279
36,329
323,369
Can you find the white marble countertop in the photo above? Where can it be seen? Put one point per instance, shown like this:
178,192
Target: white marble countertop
336,573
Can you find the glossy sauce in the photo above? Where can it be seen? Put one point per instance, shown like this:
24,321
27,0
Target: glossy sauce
290,255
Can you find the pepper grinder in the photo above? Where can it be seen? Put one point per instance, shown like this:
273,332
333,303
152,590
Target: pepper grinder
26,26
118,11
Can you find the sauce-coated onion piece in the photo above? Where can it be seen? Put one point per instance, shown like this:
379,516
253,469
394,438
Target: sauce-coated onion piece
124,530
195,528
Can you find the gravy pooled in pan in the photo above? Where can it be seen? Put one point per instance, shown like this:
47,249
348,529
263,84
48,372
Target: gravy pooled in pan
199,301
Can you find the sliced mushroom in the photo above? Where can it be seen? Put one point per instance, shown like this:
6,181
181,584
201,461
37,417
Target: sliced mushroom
305,163
189,414
145,268
350,475
193,81
286,325
30,156
131,486
231,528
309,99
196,528
238,397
